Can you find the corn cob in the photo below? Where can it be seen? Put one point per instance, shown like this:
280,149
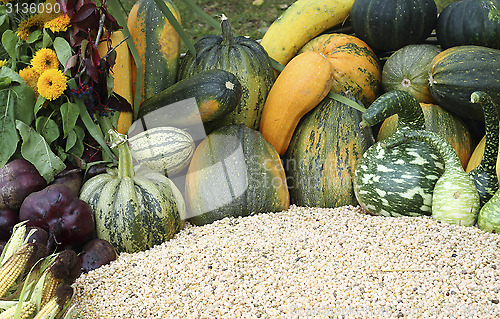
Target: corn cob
27,308
65,269
15,265
56,303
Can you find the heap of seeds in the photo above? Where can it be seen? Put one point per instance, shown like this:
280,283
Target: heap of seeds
304,263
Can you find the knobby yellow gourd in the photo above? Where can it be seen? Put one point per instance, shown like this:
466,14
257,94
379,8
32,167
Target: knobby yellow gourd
302,84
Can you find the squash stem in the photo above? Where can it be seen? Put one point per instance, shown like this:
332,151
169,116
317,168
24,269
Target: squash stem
125,164
227,32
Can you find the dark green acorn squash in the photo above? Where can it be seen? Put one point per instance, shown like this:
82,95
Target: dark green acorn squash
397,181
247,60
206,96
387,25
470,22
407,69
323,154
439,120
234,172
459,71
133,211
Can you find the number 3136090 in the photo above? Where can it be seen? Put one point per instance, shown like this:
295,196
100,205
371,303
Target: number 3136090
33,8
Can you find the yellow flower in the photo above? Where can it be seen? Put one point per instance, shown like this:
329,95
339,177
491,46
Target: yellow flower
3,62
6,1
31,77
26,27
58,24
51,84
45,59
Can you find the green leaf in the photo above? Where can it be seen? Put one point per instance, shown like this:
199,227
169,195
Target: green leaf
25,99
36,150
5,82
70,140
48,128
69,113
78,148
8,133
39,103
93,128
347,101
9,42
63,50
6,72
46,39
34,36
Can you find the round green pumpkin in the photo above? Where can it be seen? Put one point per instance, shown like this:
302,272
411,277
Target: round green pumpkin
234,172
470,22
388,25
247,60
323,154
133,211
408,68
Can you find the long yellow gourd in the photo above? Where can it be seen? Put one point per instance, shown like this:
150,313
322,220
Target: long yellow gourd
477,156
302,21
303,83
122,76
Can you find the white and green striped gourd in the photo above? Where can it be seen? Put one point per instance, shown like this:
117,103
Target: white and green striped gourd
163,149
455,199
397,181
485,174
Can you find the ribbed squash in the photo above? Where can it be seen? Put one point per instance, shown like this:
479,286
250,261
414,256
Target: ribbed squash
158,44
438,120
470,22
132,211
459,71
247,60
388,25
407,69
356,67
323,154
122,76
234,172
302,84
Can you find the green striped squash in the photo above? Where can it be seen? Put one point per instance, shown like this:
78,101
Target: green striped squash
323,154
203,97
234,172
158,45
459,71
133,211
163,149
407,69
247,60
398,181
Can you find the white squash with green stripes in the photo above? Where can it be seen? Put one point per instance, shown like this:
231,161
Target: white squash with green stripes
164,149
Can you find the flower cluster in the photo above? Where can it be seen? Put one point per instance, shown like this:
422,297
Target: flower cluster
43,75
54,84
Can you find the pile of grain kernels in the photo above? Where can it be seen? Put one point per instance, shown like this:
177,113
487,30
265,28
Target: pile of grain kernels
304,263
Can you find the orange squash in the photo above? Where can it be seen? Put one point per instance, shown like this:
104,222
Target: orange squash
122,76
302,84
356,67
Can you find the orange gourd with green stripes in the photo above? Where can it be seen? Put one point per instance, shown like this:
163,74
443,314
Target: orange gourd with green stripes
158,45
